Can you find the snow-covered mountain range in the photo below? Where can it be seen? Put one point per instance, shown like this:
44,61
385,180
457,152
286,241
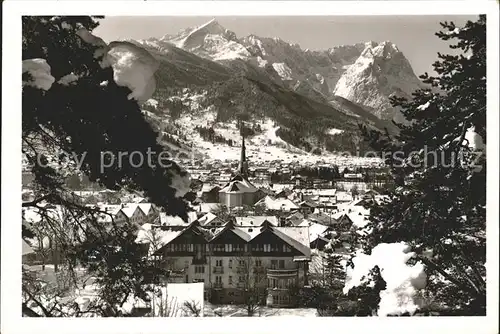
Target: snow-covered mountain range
300,102
364,73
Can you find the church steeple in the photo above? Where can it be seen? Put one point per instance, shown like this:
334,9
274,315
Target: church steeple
243,166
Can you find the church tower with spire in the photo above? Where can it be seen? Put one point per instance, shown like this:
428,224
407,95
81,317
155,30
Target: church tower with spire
239,190
243,166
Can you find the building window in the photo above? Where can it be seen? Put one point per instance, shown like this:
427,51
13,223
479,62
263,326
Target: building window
282,264
274,264
230,280
258,263
219,248
267,247
242,263
218,279
218,263
241,279
199,269
230,263
258,247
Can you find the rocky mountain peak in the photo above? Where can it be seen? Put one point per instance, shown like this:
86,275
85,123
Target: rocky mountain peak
379,72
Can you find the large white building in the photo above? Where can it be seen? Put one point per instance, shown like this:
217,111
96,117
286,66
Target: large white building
233,261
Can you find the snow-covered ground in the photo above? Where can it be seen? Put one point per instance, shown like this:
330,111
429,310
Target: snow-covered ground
263,147
263,311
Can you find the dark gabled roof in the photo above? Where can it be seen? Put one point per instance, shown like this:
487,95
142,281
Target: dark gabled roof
230,227
195,228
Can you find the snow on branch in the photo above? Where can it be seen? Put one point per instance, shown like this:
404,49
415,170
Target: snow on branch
133,66
39,73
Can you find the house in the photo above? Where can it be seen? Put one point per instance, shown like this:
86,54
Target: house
257,220
209,219
210,193
319,235
343,196
232,259
322,218
295,218
353,176
307,207
299,180
343,222
277,204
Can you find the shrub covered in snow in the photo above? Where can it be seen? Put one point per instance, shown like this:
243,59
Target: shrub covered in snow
403,280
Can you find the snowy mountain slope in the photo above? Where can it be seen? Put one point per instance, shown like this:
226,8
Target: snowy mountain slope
364,73
180,137
311,71
379,72
217,93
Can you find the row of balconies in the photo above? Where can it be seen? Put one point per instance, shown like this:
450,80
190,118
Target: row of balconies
220,285
255,270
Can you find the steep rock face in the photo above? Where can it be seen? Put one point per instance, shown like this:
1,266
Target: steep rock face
379,72
318,69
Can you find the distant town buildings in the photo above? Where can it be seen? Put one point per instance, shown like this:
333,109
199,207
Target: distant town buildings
245,234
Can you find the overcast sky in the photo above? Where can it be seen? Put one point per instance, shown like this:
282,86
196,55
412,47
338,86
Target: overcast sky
414,35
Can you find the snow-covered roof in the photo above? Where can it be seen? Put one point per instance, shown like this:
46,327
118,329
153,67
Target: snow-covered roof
358,219
281,187
208,187
315,230
207,218
343,196
298,237
256,220
145,207
166,220
327,192
129,209
277,204
27,249
239,185
208,207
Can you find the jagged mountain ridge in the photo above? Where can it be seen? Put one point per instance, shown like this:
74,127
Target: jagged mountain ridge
210,94
321,75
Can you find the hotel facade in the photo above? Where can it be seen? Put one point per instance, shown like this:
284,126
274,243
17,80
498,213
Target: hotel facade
267,262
